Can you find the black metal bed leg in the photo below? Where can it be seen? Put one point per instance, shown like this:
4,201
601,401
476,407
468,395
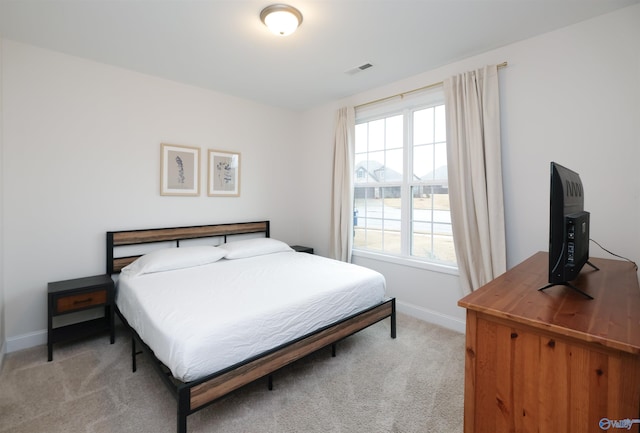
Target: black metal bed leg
183,409
182,423
393,318
133,354
270,382
333,350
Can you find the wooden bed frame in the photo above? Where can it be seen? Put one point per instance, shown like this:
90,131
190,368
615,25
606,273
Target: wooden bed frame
195,395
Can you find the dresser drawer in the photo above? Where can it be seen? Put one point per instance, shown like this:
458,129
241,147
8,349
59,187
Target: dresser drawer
64,304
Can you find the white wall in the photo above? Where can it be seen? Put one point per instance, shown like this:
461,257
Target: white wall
572,96
82,156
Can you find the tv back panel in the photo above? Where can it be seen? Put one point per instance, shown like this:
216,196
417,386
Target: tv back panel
568,228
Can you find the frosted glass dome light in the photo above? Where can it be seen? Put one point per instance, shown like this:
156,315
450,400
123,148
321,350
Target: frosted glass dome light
281,19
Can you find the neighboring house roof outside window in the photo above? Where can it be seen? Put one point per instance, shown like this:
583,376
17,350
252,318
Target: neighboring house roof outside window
374,171
439,173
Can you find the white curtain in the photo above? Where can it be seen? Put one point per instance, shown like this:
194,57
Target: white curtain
342,192
475,175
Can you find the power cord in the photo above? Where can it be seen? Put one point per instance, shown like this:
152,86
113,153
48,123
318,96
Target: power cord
613,254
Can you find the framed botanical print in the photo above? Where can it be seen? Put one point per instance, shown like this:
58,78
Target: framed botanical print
179,170
224,173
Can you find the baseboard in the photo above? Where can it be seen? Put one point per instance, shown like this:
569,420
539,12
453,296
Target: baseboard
2,352
26,341
38,338
431,316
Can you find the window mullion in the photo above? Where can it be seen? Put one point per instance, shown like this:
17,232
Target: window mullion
406,184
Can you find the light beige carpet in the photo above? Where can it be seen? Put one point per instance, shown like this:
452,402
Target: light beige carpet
375,384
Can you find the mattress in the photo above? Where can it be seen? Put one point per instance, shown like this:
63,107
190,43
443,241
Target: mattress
202,319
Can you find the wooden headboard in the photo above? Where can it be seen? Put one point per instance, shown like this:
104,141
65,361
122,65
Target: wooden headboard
174,234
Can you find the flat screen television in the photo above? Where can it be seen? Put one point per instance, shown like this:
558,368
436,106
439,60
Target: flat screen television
568,228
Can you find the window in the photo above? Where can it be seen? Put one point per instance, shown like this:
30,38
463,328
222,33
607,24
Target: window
401,193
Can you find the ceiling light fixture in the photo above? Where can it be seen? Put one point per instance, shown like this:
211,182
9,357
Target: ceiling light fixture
281,19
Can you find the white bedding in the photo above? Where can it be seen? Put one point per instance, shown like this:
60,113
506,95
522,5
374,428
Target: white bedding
202,319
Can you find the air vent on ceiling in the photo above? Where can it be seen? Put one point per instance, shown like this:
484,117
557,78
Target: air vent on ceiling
358,69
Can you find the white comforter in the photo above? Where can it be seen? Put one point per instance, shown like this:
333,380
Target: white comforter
203,319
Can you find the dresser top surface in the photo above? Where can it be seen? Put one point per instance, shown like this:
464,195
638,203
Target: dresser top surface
612,318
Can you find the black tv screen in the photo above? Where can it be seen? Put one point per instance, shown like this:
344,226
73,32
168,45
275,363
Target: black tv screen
568,226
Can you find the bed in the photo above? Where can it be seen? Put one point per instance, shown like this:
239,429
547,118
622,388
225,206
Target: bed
197,311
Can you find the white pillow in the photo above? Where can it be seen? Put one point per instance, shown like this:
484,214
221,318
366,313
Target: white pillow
253,247
174,258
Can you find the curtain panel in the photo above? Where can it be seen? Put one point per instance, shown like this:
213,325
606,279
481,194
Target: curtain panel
342,186
475,175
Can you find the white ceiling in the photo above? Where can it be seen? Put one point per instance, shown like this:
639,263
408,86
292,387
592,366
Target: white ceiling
222,44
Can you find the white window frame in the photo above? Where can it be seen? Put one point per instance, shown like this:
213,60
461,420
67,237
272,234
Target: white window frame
406,106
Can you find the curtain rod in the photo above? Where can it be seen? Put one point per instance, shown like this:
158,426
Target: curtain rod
409,92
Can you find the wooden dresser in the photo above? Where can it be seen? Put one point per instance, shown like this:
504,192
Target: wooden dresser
554,361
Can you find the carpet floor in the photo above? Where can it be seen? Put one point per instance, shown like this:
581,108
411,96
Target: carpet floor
375,384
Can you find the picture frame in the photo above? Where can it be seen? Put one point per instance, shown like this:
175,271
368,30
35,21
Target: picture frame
179,170
224,173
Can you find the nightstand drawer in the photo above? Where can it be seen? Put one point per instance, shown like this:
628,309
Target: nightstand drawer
69,303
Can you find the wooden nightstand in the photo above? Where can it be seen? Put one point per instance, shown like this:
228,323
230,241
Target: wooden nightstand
302,249
71,296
